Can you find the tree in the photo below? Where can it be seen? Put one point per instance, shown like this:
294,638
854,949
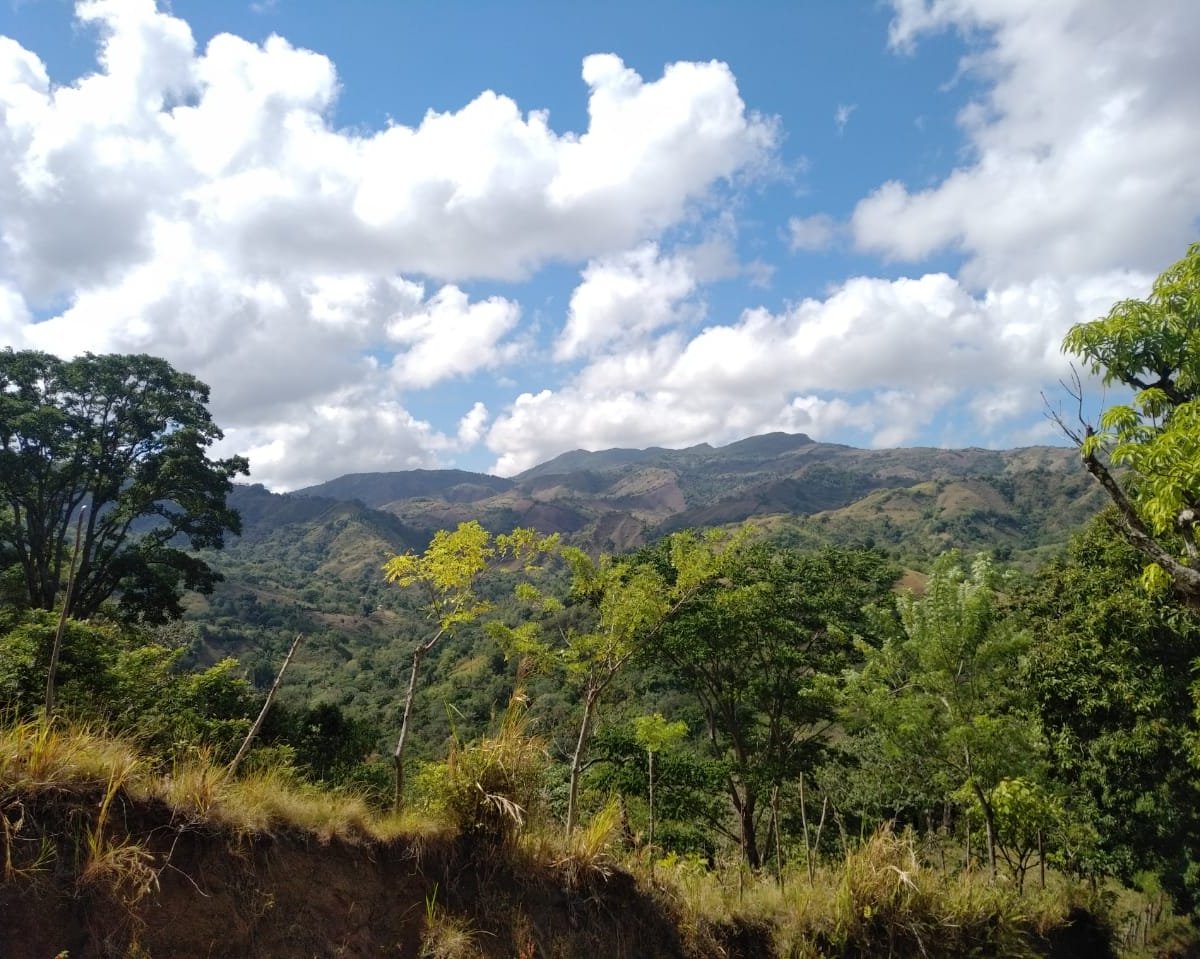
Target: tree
125,437
944,689
447,573
1110,671
655,734
631,601
127,678
1152,347
762,651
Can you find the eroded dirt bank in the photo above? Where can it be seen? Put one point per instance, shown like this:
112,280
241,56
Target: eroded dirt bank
215,895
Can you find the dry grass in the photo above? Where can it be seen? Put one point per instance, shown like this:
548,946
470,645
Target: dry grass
879,901
39,758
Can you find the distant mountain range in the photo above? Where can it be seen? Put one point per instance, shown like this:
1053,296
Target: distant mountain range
915,500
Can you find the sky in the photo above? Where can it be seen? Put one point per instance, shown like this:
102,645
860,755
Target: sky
419,234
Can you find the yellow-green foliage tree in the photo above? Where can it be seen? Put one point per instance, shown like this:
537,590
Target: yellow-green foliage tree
631,603
446,574
1152,347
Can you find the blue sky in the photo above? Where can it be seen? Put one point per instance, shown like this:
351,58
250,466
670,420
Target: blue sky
417,234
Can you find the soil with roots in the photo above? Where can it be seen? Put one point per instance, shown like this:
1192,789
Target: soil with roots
177,890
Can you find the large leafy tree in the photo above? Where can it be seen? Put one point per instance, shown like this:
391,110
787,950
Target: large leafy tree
762,651
1110,668
1151,347
125,438
943,690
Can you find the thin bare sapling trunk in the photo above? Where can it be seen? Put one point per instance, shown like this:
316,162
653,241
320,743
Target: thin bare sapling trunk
650,772
804,824
409,696
266,706
589,702
56,648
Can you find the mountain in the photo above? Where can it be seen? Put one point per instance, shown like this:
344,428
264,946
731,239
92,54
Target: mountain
918,500
380,489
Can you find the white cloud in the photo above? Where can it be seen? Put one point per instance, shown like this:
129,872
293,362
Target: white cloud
878,357
472,426
449,337
624,297
201,205
812,234
1082,147
367,433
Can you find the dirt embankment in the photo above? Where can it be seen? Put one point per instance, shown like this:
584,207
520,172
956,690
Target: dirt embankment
209,894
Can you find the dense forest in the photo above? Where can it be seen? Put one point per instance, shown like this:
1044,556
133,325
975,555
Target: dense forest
793,701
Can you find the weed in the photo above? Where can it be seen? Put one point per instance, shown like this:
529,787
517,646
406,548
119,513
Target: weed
588,850
446,936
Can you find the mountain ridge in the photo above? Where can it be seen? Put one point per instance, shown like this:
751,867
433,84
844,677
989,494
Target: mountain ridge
618,499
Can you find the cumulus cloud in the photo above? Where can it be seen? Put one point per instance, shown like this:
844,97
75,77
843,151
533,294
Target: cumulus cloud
1081,148
450,336
624,297
367,432
880,358
202,205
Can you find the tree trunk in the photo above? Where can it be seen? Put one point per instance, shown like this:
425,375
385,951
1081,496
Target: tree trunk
589,700
650,771
56,649
775,832
804,823
989,823
745,807
398,755
262,713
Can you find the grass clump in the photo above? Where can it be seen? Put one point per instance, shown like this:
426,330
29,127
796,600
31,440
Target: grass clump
487,790
446,936
37,756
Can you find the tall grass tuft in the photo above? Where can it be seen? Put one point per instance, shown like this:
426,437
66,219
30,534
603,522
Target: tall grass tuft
446,936
39,755
588,850
488,789
117,863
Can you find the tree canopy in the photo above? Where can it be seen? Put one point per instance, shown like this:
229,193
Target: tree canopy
942,692
1110,673
125,438
1152,347
761,650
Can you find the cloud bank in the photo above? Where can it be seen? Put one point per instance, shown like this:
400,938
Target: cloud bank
203,205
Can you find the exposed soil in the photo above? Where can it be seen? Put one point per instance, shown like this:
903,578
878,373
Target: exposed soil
186,890
221,896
